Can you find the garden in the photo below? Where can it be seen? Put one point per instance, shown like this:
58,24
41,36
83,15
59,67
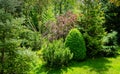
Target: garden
59,37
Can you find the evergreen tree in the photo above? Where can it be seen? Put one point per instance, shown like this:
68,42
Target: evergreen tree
9,31
91,21
9,42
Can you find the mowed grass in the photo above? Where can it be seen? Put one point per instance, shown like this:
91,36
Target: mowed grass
96,66
102,65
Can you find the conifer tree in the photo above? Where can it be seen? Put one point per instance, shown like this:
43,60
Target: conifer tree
92,20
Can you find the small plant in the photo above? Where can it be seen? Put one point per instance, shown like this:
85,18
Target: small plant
56,54
75,42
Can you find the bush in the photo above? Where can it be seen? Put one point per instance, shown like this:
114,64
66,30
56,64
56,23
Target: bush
75,42
63,24
23,62
110,44
56,54
14,59
31,39
112,14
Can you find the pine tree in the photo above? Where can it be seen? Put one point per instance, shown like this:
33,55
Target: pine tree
9,42
9,31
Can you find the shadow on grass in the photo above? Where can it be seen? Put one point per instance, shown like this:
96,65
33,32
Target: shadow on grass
98,65
46,70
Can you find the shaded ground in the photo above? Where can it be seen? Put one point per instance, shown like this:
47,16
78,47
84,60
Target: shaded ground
90,66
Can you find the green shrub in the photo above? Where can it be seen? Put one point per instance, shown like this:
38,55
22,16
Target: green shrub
31,39
14,59
75,42
110,44
56,54
112,14
24,62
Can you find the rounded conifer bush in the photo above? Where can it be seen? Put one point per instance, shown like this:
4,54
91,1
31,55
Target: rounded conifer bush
76,44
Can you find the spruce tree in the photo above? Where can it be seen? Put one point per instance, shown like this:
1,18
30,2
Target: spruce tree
9,31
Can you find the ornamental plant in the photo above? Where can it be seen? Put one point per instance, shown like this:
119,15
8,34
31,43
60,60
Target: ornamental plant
76,43
55,54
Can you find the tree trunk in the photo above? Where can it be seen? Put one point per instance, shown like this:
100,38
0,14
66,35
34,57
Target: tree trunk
60,8
2,61
2,54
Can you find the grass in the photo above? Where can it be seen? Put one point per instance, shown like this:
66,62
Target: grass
96,66
102,65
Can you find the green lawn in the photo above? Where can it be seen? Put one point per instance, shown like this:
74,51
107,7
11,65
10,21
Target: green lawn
89,66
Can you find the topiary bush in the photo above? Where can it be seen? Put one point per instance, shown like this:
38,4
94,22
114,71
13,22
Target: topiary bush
75,42
55,54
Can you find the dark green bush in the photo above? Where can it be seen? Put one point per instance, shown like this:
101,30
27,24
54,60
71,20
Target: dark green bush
56,54
75,42
112,14
110,44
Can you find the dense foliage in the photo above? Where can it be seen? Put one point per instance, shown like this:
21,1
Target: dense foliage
110,44
62,26
112,14
55,54
25,25
24,62
75,42
91,24
13,58
30,39
116,2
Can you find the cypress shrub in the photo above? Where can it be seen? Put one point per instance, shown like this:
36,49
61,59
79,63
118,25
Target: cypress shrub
76,44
